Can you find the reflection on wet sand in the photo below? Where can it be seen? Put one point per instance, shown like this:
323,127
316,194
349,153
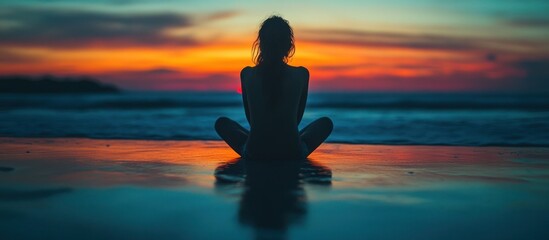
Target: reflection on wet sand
272,197
132,189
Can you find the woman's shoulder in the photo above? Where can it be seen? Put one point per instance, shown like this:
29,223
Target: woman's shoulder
246,70
298,68
300,71
245,73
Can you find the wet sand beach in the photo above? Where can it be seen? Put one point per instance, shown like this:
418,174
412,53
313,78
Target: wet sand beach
71,188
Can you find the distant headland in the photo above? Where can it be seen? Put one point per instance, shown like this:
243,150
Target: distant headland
50,84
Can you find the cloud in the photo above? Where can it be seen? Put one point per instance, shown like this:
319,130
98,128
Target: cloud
209,82
532,76
491,57
389,83
529,22
387,39
221,15
169,79
377,39
536,75
7,56
84,28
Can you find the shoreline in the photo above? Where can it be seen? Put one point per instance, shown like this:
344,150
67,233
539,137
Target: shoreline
327,142
216,151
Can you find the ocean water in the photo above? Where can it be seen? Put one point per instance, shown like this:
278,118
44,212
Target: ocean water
366,118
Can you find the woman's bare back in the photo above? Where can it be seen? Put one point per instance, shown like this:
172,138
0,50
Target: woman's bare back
274,126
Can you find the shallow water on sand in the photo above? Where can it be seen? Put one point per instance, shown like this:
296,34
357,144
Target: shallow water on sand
104,189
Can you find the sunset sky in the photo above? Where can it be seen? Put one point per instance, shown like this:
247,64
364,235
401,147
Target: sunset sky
402,45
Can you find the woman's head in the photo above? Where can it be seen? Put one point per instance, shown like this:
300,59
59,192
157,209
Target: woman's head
272,49
274,43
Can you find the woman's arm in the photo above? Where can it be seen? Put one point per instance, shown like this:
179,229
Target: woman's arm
243,75
303,97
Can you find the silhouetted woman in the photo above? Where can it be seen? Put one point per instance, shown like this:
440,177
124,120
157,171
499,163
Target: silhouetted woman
274,95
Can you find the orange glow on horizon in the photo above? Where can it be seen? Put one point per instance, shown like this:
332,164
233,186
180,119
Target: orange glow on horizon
225,59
